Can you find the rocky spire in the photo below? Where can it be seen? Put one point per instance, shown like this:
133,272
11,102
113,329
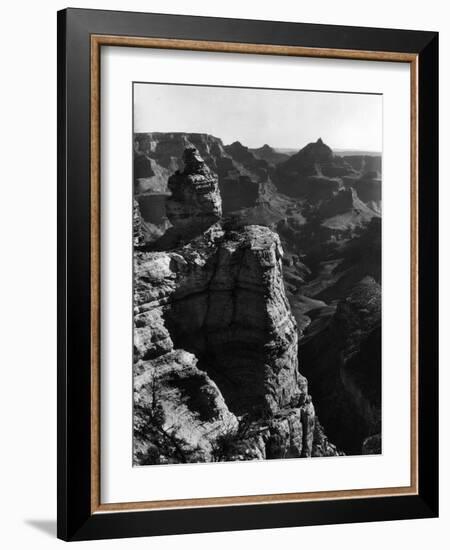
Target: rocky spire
195,203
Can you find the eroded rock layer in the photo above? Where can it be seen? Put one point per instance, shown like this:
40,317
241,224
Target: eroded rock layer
195,201
215,342
222,297
342,360
239,255
218,306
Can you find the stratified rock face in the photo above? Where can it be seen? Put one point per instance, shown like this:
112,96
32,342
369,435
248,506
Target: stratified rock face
343,365
216,296
250,182
244,156
222,298
344,201
179,412
345,212
368,188
165,153
314,172
159,155
215,351
195,201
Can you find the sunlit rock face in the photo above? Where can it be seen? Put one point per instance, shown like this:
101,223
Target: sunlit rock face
179,412
220,302
222,297
215,341
195,201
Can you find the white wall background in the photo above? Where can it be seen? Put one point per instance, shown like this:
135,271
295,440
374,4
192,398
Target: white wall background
28,272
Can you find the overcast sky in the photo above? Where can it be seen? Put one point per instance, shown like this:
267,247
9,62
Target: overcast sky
281,118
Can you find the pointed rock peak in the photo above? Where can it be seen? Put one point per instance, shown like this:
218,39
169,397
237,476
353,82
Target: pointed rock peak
236,145
316,150
193,162
266,149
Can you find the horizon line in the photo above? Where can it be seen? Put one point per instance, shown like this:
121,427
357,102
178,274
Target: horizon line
276,148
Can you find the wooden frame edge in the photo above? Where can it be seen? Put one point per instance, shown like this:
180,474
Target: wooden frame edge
261,49
95,273
414,277
254,499
248,48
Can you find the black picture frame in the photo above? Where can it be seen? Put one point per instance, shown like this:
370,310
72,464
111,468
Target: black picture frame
76,521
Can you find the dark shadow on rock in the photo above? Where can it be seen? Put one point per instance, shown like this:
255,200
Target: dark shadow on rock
46,526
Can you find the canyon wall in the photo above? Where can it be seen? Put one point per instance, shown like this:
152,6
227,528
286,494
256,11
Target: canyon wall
218,214
215,341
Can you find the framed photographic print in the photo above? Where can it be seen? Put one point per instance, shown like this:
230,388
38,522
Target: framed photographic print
247,274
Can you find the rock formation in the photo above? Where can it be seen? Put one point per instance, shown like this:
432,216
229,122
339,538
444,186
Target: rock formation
236,260
368,188
195,202
241,175
221,298
179,412
342,359
270,155
250,180
158,156
313,172
215,342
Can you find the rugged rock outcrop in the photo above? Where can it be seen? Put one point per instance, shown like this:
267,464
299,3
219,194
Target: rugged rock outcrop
180,414
195,202
250,180
159,155
346,200
215,342
368,188
359,257
211,281
220,301
314,172
245,157
325,214
222,298
342,360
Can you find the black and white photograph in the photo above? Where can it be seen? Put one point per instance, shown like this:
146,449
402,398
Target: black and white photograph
257,273
223,289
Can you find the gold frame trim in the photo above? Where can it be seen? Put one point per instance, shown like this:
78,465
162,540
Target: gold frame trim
97,41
